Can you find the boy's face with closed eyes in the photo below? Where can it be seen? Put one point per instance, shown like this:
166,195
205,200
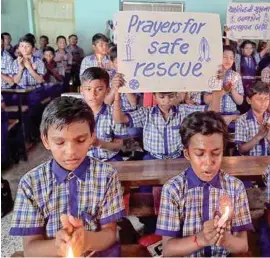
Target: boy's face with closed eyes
205,154
69,145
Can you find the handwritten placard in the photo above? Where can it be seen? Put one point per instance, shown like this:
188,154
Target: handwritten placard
248,21
165,51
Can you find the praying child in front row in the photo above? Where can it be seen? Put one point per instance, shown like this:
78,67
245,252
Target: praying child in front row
70,200
193,202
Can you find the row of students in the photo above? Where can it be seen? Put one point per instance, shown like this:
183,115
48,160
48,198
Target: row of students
74,201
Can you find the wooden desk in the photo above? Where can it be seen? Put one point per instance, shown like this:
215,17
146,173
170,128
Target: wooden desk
137,173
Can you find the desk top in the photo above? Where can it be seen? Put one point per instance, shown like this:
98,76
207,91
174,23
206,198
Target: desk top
136,173
18,91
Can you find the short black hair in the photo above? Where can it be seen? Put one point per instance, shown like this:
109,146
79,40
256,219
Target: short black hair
61,37
99,37
73,35
48,48
44,37
30,35
246,42
258,87
111,45
63,111
95,73
27,39
205,123
113,53
229,48
2,37
5,34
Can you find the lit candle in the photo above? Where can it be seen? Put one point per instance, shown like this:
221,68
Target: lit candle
70,253
224,217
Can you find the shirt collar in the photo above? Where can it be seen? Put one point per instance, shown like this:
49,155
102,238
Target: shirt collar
250,115
61,173
156,110
194,180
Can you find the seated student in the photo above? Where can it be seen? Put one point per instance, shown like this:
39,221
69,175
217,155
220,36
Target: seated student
232,93
27,69
70,200
252,129
43,42
129,101
6,67
246,63
7,43
77,57
160,123
100,57
76,52
193,201
36,52
52,74
266,180
53,78
109,136
63,58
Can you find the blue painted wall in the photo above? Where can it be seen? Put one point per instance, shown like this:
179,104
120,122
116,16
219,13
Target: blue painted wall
15,18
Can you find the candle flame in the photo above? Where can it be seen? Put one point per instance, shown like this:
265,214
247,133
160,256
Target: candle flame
70,253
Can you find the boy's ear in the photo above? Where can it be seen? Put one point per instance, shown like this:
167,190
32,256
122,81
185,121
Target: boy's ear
186,154
45,141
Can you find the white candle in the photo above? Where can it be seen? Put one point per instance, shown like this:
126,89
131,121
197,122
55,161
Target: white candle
70,253
224,217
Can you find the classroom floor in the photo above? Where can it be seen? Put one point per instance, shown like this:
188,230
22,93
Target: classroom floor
36,156
39,154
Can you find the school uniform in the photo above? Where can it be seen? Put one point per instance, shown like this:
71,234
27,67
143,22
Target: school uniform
106,130
265,75
246,128
161,139
227,104
247,66
92,61
77,54
38,53
53,80
27,79
62,65
196,97
92,192
6,67
187,202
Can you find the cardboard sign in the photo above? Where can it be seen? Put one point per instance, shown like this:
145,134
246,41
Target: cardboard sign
168,52
249,21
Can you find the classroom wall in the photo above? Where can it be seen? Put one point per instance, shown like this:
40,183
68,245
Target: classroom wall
15,18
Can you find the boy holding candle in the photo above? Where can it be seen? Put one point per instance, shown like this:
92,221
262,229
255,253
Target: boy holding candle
71,200
100,44
189,201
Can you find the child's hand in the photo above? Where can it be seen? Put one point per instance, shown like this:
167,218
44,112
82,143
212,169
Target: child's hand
263,130
27,63
221,73
209,235
78,236
118,81
20,62
222,234
62,239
